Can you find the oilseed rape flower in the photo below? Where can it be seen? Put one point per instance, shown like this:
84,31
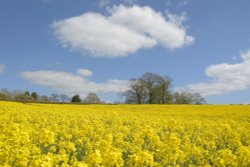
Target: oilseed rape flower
63,135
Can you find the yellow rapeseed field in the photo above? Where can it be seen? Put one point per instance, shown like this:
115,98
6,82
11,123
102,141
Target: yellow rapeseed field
50,135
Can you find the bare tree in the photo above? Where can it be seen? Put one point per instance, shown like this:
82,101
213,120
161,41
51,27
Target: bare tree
54,97
198,99
92,98
44,98
136,94
150,88
64,98
188,98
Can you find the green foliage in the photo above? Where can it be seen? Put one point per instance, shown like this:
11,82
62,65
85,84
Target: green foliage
76,99
150,88
34,95
44,98
23,97
3,96
27,93
155,89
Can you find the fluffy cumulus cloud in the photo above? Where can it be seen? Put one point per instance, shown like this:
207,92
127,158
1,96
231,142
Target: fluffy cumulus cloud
225,78
2,67
70,83
125,30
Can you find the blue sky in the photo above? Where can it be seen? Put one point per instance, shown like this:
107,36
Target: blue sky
76,46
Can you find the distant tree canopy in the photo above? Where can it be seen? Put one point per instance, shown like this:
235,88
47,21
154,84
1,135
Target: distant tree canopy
34,95
59,98
188,98
92,98
150,88
155,89
4,96
26,96
136,94
44,98
64,98
23,97
54,97
76,99
26,93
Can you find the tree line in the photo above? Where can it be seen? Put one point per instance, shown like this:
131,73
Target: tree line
155,89
26,96
148,89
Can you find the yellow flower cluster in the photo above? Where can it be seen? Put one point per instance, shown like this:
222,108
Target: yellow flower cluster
51,135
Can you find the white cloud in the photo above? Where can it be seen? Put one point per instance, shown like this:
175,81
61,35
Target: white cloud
225,78
70,84
124,31
176,19
84,72
2,67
